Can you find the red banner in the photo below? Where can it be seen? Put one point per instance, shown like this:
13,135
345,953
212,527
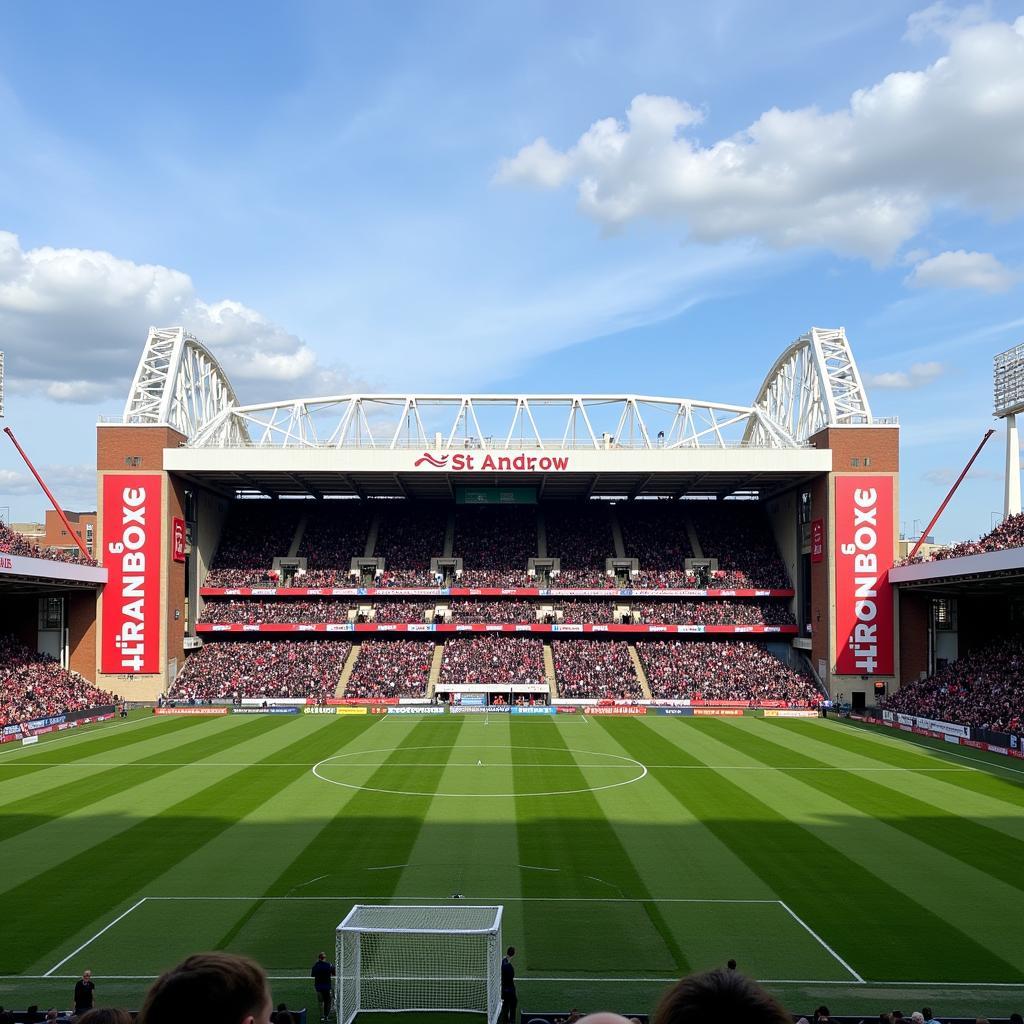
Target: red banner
863,558
178,539
131,554
199,709
718,712
817,540
476,627
601,709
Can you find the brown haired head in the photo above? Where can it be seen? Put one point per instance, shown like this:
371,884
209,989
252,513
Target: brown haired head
718,996
209,988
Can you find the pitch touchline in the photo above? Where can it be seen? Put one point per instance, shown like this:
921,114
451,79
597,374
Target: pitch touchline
487,764
665,979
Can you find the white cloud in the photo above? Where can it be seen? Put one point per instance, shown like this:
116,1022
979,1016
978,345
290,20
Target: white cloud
942,19
916,376
861,180
73,486
944,476
961,269
73,322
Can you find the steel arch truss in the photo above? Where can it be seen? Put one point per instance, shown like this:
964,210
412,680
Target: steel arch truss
497,422
179,383
814,384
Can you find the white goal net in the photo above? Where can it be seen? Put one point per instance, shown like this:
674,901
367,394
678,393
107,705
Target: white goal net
419,958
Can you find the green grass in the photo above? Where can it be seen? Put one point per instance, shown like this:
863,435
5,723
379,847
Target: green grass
836,863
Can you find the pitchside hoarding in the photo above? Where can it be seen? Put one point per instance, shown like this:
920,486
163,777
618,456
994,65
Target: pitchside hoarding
863,557
132,535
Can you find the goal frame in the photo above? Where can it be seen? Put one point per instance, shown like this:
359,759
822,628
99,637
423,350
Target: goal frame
348,982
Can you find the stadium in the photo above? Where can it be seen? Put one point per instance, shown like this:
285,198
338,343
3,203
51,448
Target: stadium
631,682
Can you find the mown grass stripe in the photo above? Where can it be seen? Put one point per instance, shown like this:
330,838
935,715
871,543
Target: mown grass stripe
858,740
985,849
136,855
100,743
20,816
369,830
574,836
850,906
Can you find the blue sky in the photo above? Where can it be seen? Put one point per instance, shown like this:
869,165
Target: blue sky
338,196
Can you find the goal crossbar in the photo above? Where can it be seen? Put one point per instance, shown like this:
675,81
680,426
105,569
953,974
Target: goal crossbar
419,957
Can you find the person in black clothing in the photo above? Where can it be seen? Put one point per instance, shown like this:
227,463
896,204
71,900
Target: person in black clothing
84,990
508,988
321,973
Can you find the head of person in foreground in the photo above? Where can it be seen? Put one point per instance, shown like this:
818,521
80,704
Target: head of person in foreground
209,988
717,996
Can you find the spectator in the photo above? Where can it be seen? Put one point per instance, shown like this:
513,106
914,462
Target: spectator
13,543
580,536
409,535
733,670
655,533
983,689
495,545
595,668
391,668
1008,534
738,612
209,988
35,686
492,659
229,669
254,534
336,532
251,611
719,996
742,541
105,1015
493,611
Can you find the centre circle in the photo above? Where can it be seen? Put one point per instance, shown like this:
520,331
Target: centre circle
482,759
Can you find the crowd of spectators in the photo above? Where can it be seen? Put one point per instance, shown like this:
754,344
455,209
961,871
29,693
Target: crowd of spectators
262,668
575,612
595,668
391,668
740,537
336,532
409,535
983,689
403,611
579,534
654,533
253,612
1008,534
13,543
34,685
495,544
492,658
721,670
254,534
715,613
493,611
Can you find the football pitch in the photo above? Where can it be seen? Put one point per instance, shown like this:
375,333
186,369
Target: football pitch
835,863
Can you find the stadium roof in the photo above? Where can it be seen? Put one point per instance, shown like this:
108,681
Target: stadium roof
23,575
990,571
566,445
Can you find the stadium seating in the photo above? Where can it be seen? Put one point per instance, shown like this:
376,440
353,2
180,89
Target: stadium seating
736,670
391,668
250,612
580,536
740,537
495,544
34,685
595,668
12,543
655,534
262,668
254,534
493,611
403,611
336,532
493,659
576,612
716,613
1008,534
408,537
983,689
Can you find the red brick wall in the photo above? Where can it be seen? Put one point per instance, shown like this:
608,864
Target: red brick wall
913,651
82,608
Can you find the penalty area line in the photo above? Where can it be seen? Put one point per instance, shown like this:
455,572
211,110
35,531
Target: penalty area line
89,942
828,949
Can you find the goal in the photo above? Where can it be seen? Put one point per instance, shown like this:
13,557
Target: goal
419,958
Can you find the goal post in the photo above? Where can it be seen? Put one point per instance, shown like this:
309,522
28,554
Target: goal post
423,958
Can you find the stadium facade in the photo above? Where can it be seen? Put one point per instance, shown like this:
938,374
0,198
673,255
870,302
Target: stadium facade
808,450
